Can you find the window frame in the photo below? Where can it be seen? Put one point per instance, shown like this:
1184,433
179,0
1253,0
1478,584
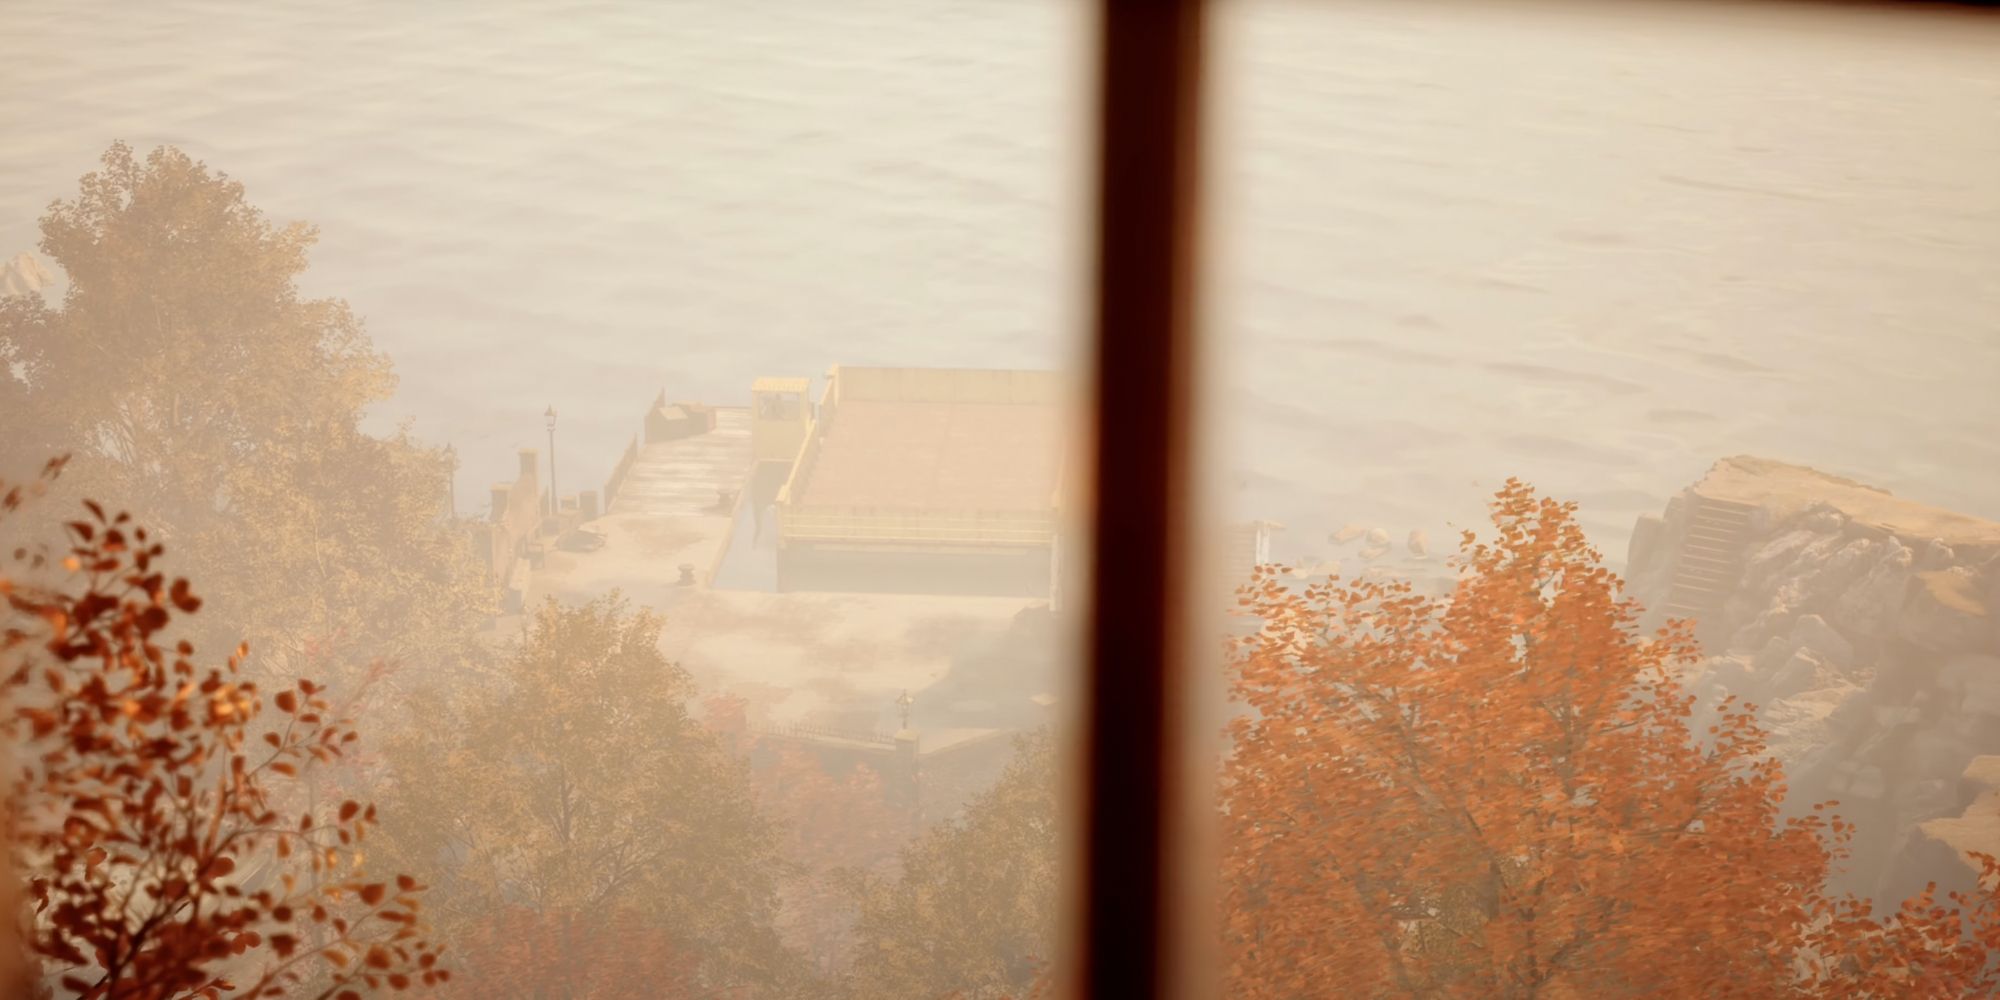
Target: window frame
1135,900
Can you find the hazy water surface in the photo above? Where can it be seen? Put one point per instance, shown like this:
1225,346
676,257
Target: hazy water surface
1451,245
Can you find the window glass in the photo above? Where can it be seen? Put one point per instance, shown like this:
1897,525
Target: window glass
1698,296
653,425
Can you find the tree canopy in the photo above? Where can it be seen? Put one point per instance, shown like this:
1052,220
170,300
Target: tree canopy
1490,793
569,790
153,826
833,826
192,383
1496,794
973,912
182,348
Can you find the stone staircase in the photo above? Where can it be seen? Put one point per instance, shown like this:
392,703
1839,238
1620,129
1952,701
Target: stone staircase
1710,560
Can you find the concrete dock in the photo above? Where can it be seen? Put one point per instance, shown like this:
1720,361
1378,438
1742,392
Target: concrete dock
829,659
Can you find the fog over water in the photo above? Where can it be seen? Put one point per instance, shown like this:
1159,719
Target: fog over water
1451,245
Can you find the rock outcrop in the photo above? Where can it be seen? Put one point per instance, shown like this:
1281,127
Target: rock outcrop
1864,627
23,275
1945,850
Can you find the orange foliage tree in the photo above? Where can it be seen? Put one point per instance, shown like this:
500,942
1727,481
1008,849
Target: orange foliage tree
1496,794
614,954
834,827
143,812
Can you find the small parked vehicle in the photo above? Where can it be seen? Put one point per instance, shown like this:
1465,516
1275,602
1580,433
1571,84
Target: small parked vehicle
580,540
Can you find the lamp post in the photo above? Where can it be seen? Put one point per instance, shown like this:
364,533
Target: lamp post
904,703
550,417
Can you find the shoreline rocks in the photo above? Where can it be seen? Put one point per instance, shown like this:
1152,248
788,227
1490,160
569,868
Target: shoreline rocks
1863,627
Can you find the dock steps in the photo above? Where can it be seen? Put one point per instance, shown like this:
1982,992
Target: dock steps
1709,562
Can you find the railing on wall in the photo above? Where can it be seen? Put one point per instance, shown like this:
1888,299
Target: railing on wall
654,423
817,428
618,474
808,732
985,529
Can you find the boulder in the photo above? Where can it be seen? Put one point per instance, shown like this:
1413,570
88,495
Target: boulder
1979,733
1935,554
1856,558
23,274
1897,716
1731,672
1823,517
1800,673
1869,608
1982,775
1797,573
1797,728
1992,574
1977,829
1860,781
1982,700
1937,753
1771,559
1812,632
1944,611
1772,656
1964,669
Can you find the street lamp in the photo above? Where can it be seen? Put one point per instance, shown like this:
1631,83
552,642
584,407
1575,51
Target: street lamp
554,510
904,703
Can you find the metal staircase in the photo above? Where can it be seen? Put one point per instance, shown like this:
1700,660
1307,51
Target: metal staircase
1710,560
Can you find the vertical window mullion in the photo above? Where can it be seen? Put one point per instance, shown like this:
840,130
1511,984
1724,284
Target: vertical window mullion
1148,125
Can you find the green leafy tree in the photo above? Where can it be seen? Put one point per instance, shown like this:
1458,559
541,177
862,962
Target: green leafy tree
571,790
972,914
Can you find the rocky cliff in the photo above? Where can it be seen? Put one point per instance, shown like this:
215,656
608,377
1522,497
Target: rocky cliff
23,275
1862,625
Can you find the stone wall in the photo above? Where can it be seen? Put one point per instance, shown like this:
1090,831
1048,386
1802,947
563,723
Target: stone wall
1861,625
629,458
808,567
511,524
934,783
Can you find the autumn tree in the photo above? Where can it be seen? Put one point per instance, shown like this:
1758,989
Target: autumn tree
569,790
615,954
1496,794
972,913
16,967
144,809
193,383
182,346
833,825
